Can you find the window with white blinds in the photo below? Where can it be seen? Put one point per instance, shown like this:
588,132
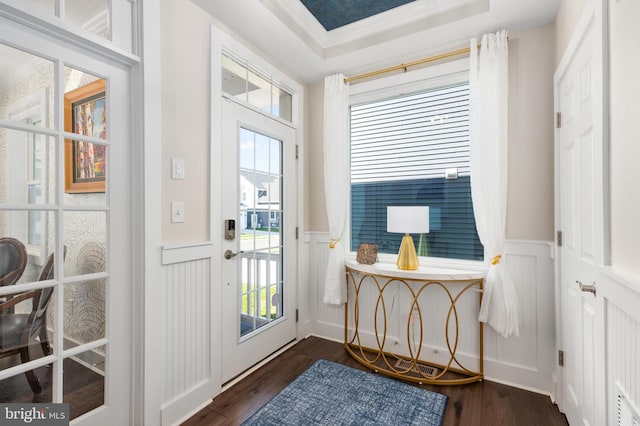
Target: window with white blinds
414,150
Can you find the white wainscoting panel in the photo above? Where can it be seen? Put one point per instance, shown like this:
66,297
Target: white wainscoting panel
187,337
526,361
328,320
186,350
622,306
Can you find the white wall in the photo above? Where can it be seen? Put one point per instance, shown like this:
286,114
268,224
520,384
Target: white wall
180,368
314,208
185,73
625,131
530,197
569,13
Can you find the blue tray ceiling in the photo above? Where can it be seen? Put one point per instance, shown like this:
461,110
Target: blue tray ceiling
334,14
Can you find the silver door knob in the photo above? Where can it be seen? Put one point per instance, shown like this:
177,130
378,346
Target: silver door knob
229,254
589,288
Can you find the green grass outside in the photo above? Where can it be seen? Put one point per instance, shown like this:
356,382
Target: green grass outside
262,292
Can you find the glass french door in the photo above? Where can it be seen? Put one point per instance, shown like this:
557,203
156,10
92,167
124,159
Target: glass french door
64,208
259,256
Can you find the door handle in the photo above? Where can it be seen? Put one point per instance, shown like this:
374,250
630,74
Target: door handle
589,288
229,254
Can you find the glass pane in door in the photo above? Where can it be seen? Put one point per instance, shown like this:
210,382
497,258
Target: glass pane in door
85,226
84,379
260,213
26,88
16,390
27,232
27,325
27,164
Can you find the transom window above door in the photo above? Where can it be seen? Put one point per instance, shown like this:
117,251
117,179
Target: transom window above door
109,19
255,88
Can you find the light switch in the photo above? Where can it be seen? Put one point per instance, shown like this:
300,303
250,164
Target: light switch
177,168
177,211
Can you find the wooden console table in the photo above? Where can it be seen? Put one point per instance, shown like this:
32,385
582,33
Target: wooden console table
404,360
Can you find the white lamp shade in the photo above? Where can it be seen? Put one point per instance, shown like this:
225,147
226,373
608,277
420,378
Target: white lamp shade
408,219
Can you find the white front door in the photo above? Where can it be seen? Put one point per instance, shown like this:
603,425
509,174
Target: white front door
580,218
259,270
64,130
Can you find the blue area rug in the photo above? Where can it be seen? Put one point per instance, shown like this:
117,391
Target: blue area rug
333,394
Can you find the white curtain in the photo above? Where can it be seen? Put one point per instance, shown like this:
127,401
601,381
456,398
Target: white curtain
336,183
488,85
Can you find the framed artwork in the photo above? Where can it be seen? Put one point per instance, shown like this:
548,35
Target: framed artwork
85,163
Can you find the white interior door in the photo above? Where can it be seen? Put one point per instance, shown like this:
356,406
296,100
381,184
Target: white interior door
74,199
259,284
580,177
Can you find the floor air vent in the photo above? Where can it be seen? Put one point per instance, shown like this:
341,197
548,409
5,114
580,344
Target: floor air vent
627,415
426,370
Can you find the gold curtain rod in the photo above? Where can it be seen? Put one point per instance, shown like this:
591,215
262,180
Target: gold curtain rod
411,64
407,65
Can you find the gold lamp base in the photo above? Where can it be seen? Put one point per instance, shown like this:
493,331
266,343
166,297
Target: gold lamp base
407,257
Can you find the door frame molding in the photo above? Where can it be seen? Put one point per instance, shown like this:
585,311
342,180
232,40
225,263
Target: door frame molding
148,383
595,13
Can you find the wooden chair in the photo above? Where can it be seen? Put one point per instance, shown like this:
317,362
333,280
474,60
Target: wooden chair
19,331
13,260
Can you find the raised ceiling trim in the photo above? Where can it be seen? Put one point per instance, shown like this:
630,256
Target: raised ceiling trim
398,22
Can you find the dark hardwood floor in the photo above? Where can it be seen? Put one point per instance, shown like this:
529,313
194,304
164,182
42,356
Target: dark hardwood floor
482,403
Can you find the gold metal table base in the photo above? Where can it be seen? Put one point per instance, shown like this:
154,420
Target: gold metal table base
412,366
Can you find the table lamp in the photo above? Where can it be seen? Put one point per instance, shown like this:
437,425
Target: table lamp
408,220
